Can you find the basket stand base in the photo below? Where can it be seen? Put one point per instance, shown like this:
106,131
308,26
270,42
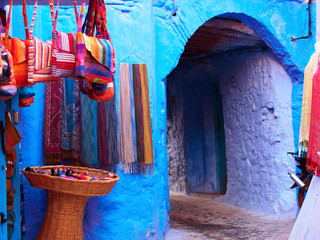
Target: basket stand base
63,219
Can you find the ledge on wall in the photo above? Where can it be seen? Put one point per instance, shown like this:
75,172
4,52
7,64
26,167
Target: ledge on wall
40,2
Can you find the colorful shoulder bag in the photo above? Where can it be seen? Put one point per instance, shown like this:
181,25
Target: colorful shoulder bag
95,56
39,59
18,49
96,21
63,48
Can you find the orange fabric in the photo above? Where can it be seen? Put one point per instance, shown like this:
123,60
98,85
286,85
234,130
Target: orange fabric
12,134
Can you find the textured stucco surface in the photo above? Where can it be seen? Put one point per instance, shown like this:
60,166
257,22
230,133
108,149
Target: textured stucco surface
138,205
256,95
274,21
258,127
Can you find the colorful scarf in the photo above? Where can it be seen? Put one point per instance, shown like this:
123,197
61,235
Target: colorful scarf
135,121
313,156
306,103
107,133
62,122
88,135
70,121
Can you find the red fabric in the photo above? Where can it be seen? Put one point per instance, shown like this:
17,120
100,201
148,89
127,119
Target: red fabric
313,156
52,122
26,102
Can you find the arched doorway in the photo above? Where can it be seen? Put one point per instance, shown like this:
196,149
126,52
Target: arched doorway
229,119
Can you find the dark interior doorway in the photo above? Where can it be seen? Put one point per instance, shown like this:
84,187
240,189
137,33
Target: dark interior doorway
195,124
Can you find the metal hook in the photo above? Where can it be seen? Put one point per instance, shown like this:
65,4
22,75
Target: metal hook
132,53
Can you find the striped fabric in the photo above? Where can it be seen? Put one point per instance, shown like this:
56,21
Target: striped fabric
12,134
135,121
313,156
65,45
96,63
306,102
39,58
19,50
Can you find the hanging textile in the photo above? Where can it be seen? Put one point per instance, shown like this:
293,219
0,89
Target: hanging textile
106,117
135,121
62,123
313,155
306,102
52,123
107,133
70,121
88,119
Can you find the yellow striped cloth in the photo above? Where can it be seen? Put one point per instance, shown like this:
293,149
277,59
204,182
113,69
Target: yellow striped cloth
306,102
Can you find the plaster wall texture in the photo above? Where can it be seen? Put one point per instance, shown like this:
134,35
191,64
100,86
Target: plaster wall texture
274,21
191,128
256,95
177,165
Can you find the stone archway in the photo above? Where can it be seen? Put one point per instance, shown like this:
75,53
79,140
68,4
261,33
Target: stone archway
226,56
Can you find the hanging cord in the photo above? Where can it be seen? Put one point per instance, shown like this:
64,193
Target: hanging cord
309,32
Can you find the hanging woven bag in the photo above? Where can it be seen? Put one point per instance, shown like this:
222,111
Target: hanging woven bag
39,57
95,56
18,49
63,47
95,21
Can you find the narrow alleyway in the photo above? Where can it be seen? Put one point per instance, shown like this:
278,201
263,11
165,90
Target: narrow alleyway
202,218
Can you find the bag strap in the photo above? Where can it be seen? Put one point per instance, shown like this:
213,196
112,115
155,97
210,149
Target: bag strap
31,49
8,21
25,19
89,22
104,27
33,18
79,18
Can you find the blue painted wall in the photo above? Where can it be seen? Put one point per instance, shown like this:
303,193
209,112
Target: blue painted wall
275,21
137,208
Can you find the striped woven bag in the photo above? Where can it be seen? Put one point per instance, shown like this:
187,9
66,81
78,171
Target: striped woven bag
95,22
39,58
95,55
18,49
63,46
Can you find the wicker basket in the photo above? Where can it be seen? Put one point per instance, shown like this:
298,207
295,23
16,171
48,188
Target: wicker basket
77,187
66,200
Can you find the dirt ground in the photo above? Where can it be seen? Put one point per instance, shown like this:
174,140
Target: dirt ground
202,217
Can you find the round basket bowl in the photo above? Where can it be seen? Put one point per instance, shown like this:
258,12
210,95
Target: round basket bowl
70,186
